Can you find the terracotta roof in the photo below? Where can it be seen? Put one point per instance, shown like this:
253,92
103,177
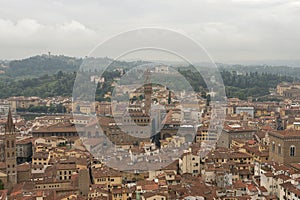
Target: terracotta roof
23,167
105,172
291,188
286,133
44,155
59,127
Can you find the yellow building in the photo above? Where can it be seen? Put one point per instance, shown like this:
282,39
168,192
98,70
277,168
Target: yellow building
108,177
64,171
23,102
40,158
120,194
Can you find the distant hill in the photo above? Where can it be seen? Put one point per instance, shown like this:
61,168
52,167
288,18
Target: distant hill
279,70
38,66
48,76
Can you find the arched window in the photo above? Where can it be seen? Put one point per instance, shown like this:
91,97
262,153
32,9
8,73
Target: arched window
7,144
273,146
292,150
279,148
12,144
8,154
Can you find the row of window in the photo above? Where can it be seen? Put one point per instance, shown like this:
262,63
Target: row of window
64,177
12,144
40,163
8,166
104,179
36,159
292,152
49,186
136,120
12,154
65,172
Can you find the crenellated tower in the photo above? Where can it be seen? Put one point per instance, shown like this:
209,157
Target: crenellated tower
147,92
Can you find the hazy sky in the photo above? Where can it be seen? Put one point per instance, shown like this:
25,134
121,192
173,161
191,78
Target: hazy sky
229,29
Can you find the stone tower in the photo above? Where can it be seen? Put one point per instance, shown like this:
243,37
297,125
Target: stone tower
147,92
84,182
10,152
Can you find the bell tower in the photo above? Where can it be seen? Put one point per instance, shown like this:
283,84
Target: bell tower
10,152
147,92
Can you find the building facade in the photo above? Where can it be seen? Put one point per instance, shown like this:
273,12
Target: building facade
284,146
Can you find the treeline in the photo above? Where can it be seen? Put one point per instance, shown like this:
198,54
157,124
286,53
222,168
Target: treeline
252,84
280,70
38,66
53,108
61,84
195,79
240,85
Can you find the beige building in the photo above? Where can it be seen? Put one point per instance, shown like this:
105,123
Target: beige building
107,177
23,102
190,163
282,87
64,171
284,146
40,158
290,90
103,108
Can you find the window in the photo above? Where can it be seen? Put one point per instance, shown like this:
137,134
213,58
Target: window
292,151
279,149
273,146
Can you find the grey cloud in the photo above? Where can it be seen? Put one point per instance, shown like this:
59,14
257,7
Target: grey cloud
230,30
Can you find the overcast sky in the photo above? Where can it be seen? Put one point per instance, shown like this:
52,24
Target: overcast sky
230,30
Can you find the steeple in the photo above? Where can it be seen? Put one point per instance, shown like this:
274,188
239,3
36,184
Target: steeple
10,152
9,127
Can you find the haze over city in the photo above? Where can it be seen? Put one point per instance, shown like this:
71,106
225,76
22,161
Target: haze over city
150,100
